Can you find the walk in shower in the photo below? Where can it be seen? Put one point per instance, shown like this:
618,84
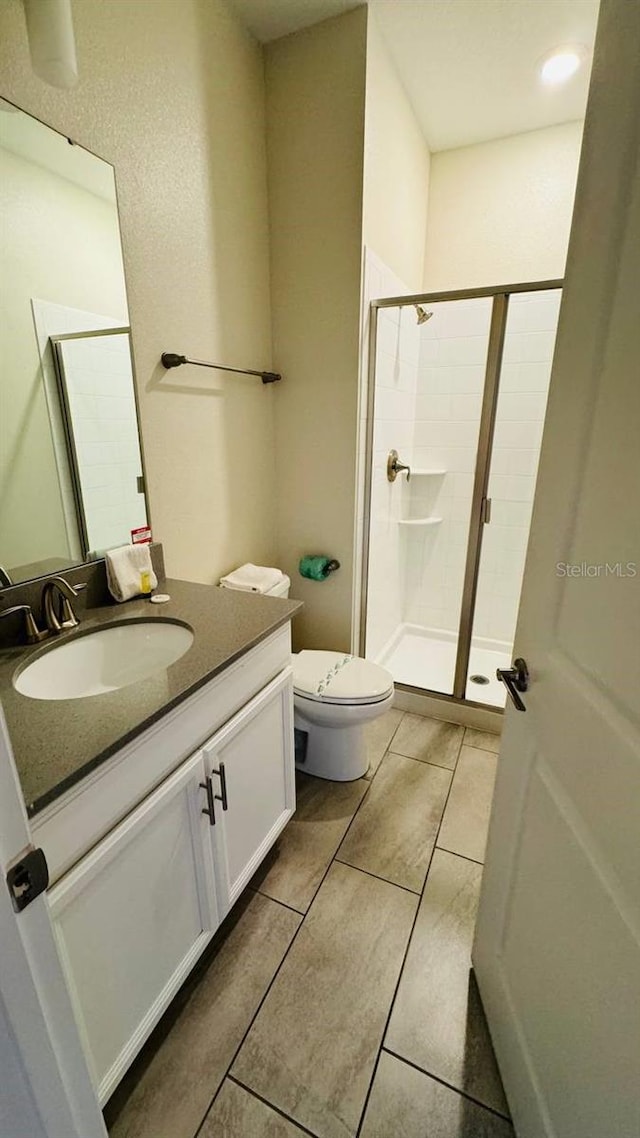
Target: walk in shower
457,396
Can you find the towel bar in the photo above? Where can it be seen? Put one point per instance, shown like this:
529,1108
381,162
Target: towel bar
171,359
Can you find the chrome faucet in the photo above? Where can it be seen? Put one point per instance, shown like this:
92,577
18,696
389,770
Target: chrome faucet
33,633
65,618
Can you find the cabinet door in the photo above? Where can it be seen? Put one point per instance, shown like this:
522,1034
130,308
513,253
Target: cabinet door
251,764
133,916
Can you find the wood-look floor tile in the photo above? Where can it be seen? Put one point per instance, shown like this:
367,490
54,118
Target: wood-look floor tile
431,740
437,1020
238,1114
294,869
167,1091
466,819
394,832
485,740
405,1102
379,734
312,1048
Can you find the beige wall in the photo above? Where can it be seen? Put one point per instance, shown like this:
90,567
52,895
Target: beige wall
500,212
315,131
396,170
173,94
58,243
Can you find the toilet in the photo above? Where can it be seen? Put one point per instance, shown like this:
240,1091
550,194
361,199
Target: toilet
335,695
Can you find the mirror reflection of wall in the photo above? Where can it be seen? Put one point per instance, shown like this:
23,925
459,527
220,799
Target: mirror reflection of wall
61,274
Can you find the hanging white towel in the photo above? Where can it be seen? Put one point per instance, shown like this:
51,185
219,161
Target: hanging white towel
252,578
124,569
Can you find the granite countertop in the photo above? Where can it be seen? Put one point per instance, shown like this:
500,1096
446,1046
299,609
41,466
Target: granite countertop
57,742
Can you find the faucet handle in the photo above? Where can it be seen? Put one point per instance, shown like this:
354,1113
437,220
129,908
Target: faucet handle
33,635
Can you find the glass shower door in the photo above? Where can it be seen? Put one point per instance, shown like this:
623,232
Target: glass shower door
426,401
95,382
532,319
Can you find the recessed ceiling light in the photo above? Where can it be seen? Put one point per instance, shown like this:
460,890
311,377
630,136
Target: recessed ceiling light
560,64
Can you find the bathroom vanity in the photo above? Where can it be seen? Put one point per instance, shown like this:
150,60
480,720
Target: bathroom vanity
155,804
154,798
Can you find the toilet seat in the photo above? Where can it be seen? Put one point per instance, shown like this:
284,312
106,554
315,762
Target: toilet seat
338,678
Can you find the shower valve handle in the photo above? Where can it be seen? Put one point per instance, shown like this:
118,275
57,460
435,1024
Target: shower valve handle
394,467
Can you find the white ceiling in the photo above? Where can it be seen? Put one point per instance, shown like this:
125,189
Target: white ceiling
270,19
469,67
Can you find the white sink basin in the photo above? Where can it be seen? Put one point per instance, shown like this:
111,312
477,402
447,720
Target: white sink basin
104,660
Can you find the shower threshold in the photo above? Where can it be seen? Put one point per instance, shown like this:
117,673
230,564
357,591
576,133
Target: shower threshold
426,658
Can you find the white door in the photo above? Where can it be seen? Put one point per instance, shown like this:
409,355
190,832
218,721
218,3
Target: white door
132,918
45,1088
252,768
557,951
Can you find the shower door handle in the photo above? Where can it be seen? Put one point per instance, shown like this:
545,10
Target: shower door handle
516,680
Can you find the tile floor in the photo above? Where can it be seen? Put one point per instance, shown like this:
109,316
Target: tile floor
337,1000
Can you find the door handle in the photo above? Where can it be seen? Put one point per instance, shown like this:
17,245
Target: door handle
515,679
210,808
221,773
27,879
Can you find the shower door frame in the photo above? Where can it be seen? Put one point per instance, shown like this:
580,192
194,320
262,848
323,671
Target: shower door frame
57,343
477,517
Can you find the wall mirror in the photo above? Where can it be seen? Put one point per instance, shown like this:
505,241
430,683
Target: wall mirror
71,474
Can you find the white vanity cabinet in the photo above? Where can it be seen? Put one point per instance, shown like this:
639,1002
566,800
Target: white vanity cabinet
160,850
251,766
132,918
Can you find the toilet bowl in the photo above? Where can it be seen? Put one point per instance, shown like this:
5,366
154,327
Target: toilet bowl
335,695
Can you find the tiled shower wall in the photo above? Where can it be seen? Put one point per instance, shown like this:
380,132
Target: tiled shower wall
452,361
396,377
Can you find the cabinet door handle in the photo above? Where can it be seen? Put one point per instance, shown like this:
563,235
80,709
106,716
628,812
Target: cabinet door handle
223,785
210,808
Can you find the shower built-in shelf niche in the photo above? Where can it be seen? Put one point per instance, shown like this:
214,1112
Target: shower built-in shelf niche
425,472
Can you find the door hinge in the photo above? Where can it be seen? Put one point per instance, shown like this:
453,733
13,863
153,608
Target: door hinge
27,879
485,511
140,484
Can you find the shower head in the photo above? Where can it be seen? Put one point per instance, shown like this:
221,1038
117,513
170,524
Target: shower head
422,314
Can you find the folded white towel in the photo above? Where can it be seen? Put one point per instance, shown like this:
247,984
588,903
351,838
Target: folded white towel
124,569
252,578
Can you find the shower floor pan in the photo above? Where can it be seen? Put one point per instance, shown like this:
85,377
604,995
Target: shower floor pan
426,658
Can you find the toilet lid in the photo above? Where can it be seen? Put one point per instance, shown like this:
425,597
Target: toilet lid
335,677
